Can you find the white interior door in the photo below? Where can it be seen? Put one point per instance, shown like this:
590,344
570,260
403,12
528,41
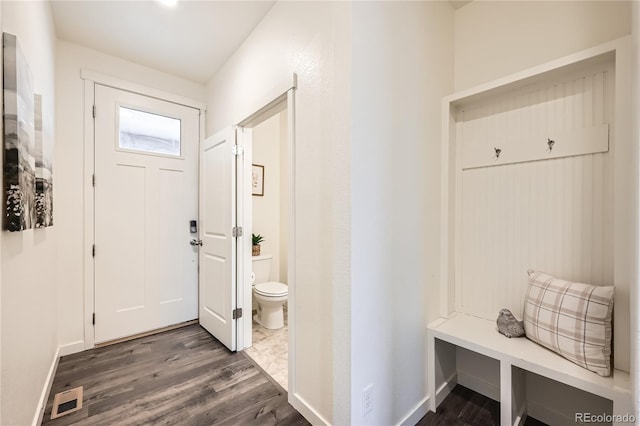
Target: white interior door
218,252
146,186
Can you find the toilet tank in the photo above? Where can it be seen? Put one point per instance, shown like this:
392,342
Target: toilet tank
262,268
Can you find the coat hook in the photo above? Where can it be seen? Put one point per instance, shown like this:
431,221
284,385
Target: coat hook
498,151
550,143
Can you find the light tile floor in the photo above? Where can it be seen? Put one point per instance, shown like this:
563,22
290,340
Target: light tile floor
270,351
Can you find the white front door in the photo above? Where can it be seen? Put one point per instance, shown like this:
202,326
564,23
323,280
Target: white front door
146,186
218,252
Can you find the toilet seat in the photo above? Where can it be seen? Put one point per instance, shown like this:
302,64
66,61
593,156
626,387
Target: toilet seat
271,289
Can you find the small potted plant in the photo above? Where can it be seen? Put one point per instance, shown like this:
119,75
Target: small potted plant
256,240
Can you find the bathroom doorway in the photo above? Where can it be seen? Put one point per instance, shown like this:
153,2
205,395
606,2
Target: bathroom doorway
266,206
270,221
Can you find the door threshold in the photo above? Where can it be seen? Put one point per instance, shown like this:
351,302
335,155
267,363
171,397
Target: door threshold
147,333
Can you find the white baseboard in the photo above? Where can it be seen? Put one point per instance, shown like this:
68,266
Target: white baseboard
72,348
476,384
42,402
305,409
445,389
418,412
521,418
544,414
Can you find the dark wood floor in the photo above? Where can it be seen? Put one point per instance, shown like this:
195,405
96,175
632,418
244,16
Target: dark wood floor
179,377
463,407
186,377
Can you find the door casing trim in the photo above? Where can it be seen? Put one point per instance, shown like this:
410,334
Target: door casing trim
263,107
116,83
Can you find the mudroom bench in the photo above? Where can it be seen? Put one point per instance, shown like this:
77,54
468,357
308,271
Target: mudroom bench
516,357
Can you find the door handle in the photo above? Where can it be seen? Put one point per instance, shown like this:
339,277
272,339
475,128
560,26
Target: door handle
195,242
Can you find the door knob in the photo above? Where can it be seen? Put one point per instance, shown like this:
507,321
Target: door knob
195,242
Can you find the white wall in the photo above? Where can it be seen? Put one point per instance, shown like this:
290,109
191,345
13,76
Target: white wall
402,67
29,326
267,209
367,174
69,172
498,38
312,40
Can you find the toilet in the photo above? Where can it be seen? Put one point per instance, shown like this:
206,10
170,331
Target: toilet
270,295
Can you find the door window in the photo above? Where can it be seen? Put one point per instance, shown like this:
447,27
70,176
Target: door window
147,132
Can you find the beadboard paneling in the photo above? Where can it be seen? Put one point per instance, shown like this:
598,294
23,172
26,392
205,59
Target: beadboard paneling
552,214
549,215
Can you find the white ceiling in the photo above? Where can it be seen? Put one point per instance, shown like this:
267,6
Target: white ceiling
191,40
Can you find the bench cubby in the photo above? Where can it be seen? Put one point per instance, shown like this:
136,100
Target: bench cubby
516,358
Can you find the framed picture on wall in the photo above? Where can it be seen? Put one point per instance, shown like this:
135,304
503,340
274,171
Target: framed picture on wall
257,180
19,138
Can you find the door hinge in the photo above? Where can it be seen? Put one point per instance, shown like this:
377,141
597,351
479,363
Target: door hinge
237,313
93,110
93,250
93,319
93,180
236,231
237,150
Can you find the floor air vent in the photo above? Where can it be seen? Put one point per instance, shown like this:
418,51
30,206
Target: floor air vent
66,402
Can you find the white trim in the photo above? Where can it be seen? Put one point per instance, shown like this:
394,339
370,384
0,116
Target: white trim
44,395
276,106
445,229
265,101
291,250
625,164
305,409
245,139
241,267
71,348
203,133
431,368
518,394
524,76
448,383
117,83
418,412
505,392
521,417
445,388
89,97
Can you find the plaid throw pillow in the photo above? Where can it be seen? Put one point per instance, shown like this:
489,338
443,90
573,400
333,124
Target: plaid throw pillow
571,319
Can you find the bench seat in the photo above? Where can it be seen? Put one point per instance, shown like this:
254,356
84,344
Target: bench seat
481,336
